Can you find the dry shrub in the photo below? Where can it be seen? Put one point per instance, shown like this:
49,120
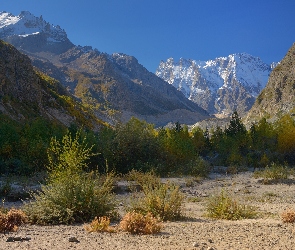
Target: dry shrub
100,224
11,220
288,216
137,223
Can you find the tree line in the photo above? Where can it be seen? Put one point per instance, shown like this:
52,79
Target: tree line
139,145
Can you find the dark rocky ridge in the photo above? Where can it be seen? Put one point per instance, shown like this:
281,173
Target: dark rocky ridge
26,94
278,97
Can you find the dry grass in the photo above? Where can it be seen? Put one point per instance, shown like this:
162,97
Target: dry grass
288,216
11,220
136,223
100,224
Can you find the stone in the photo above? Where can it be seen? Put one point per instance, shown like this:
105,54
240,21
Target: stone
196,244
10,239
73,239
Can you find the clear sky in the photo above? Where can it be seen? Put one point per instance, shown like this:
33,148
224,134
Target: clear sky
154,30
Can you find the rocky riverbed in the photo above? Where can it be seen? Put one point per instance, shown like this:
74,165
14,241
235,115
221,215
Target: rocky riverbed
267,231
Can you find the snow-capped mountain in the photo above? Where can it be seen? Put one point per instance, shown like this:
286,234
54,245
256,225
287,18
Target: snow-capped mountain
220,86
26,24
28,31
116,86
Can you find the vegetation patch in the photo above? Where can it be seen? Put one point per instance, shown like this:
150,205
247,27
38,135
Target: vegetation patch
71,194
163,200
223,206
288,216
100,224
137,223
273,173
11,220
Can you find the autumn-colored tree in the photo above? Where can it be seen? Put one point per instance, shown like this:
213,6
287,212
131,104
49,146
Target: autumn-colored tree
286,137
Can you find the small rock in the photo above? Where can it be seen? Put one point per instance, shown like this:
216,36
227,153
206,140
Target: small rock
26,238
196,244
17,238
210,241
210,248
73,239
10,239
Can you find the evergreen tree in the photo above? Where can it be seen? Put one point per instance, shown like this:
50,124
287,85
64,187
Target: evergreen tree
236,126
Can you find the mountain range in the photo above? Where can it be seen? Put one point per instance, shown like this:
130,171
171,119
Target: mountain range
115,87
220,86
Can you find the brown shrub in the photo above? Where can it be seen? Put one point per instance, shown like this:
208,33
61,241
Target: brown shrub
288,216
137,223
11,220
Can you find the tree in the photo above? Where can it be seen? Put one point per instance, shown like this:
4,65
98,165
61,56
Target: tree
236,126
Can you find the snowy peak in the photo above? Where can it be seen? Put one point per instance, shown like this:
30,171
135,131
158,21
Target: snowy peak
220,86
26,24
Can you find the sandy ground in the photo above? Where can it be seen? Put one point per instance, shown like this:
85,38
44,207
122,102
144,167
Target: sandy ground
197,232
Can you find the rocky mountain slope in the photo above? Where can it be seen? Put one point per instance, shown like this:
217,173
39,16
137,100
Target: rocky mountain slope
26,93
115,86
220,86
278,97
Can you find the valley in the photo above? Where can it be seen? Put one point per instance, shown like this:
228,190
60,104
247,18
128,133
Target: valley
184,141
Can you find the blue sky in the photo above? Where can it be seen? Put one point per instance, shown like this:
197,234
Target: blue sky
154,30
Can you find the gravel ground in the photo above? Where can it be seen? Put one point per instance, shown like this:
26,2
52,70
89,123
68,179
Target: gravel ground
197,232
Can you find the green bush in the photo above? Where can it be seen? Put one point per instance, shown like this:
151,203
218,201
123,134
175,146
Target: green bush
79,199
197,167
273,173
223,206
71,195
163,200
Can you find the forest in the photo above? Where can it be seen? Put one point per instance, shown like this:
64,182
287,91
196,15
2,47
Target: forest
138,145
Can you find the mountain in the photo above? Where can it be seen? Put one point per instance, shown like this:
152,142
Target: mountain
26,94
32,33
220,86
278,97
115,86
